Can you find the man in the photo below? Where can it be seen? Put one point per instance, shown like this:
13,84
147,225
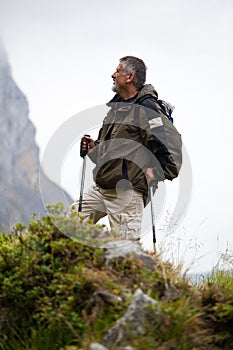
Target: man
124,153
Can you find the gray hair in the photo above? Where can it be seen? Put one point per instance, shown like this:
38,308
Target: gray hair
136,66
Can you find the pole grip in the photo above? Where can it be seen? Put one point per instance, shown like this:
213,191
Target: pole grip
84,151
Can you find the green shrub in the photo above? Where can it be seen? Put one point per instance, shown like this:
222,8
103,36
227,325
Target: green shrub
52,268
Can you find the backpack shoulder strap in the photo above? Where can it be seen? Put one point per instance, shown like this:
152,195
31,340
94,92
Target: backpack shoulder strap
145,97
166,107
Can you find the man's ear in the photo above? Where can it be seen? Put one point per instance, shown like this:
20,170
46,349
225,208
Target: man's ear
130,78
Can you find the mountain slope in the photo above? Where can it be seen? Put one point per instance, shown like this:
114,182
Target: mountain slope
19,156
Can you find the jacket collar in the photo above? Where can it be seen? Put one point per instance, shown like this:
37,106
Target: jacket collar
147,89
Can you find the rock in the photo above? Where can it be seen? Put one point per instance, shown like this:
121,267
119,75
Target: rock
96,346
107,297
19,160
133,323
99,300
117,250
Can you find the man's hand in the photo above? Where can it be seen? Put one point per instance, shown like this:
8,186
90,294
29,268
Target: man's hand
91,144
150,175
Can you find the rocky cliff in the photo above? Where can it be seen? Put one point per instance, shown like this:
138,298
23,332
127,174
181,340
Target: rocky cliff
19,156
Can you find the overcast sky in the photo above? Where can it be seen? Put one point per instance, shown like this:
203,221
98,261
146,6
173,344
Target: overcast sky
62,54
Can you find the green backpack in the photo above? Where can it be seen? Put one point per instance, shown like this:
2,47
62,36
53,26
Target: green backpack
170,156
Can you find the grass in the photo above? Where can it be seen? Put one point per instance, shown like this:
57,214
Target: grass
49,288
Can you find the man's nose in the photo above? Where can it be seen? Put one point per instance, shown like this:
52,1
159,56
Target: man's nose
114,75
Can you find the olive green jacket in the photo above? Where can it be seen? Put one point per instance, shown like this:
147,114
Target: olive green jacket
125,147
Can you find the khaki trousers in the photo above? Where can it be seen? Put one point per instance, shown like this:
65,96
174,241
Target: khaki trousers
124,208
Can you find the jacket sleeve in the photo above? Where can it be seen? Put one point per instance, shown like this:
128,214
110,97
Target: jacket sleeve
93,154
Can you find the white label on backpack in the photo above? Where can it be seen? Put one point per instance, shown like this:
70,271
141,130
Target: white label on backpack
155,122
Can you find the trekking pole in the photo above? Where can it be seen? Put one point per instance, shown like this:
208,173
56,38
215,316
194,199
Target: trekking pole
83,153
152,187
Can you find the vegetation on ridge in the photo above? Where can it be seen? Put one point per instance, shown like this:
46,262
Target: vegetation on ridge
49,283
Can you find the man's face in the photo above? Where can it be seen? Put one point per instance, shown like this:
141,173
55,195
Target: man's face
119,78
